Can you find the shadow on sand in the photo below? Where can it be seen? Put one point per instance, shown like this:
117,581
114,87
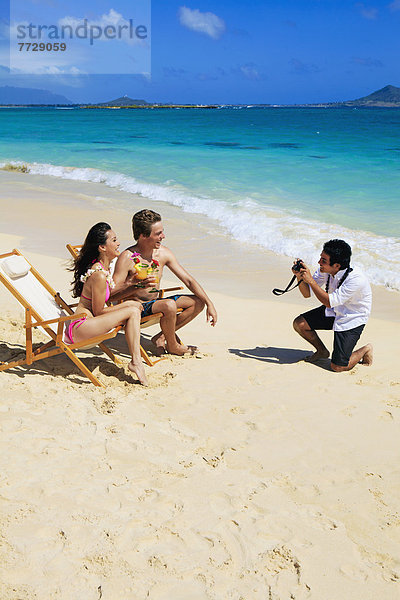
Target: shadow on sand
61,366
280,356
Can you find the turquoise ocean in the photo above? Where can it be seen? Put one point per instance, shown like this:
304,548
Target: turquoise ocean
283,179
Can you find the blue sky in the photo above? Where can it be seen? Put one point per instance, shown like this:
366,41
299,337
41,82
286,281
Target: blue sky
203,51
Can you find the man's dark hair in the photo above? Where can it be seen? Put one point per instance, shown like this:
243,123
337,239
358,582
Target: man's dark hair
339,252
142,222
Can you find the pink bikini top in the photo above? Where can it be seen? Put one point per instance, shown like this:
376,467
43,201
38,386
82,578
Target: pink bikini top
108,294
109,280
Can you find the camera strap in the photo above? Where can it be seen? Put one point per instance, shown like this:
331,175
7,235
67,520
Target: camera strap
279,292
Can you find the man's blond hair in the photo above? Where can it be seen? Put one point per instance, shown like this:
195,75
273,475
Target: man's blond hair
142,222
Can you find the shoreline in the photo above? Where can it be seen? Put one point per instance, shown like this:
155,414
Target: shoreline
271,231
78,205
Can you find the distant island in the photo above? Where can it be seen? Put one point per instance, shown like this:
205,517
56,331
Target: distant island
18,96
387,97
124,101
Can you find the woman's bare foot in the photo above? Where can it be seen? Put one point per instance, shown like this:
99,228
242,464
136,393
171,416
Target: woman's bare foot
138,369
317,356
368,356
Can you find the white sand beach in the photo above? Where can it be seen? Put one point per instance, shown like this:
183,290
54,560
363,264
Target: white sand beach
241,473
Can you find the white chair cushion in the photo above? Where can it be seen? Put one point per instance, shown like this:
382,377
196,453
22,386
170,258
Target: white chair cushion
16,266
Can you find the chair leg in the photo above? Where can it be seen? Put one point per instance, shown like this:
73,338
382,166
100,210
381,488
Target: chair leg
80,365
147,358
110,354
44,347
28,335
4,366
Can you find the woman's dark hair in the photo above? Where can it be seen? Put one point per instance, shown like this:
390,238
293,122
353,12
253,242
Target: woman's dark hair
89,253
339,252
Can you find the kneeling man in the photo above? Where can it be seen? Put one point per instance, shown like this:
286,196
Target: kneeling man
148,232
346,305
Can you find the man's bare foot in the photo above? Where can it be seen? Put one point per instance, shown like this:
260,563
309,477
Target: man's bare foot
317,356
159,342
180,349
138,369
368,356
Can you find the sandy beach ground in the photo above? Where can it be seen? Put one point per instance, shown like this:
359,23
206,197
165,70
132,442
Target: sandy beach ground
239,474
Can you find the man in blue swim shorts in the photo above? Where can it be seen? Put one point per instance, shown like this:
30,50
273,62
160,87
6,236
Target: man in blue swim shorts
346,306
148,250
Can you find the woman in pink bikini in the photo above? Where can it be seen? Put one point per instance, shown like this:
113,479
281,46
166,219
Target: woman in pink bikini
93,284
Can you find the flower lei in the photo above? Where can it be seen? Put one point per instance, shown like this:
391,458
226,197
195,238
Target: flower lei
90,272
135,257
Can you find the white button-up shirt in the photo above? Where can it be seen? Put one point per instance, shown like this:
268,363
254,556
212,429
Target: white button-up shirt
351,302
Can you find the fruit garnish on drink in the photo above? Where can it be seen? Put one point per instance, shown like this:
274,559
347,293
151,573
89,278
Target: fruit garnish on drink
153,271
141,270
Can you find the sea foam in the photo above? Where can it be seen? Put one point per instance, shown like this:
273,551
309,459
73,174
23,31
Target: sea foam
269,227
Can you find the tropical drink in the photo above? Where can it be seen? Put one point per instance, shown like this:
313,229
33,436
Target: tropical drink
141,271
153,272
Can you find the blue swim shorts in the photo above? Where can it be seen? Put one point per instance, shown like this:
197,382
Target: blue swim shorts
148,306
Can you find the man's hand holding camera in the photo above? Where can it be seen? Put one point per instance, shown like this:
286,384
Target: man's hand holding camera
301,271
303,275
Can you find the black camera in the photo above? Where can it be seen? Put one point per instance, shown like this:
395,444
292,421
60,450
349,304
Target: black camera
298,265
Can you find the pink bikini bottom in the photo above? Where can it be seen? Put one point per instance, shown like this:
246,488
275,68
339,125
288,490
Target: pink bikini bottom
70,327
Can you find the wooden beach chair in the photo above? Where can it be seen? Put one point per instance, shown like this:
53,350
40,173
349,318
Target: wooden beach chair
145,321
45,308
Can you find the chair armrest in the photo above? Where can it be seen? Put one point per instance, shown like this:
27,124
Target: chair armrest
161,292
59,320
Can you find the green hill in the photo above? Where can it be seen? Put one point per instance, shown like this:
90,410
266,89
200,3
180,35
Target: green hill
123,101
389,95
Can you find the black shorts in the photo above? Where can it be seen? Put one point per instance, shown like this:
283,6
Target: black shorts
317,320
344,341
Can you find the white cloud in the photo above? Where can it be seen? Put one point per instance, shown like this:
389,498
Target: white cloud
98,25
201,22
112,19
83,53
250,72
368,12
367,62
43,69
301,67
395,5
